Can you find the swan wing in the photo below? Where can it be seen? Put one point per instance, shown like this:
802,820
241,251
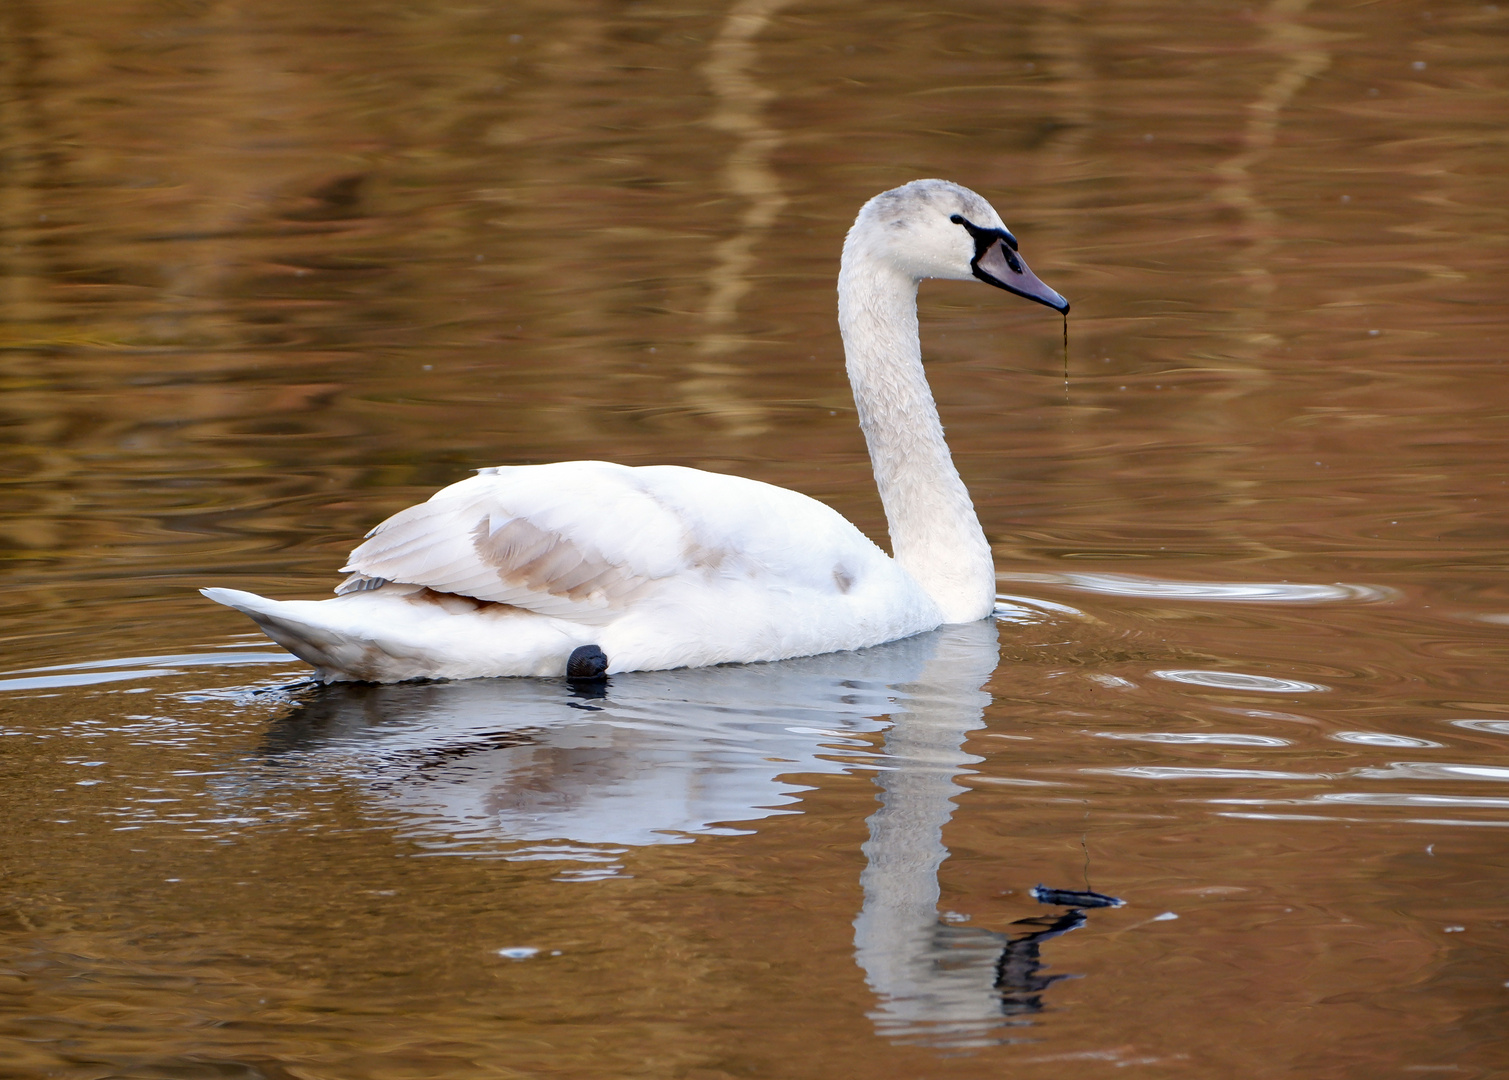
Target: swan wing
571,539
581,539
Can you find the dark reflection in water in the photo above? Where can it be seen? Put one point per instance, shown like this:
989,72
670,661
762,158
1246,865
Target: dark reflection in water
1018,969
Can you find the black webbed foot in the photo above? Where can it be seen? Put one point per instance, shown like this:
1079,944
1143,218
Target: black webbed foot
1080,898
587,662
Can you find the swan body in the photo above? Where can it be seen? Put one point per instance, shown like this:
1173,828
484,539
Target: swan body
513,570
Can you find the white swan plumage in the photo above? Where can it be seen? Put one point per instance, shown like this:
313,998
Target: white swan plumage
518,568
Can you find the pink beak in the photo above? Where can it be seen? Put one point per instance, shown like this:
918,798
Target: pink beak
1005,269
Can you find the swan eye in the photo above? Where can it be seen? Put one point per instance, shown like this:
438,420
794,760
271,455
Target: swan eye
983,238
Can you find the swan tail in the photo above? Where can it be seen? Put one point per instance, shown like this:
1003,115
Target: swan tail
337,655
404,632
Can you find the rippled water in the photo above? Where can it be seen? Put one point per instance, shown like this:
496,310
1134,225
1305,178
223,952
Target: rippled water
273,271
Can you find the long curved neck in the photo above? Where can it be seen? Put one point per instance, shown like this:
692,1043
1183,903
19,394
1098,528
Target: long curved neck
935,535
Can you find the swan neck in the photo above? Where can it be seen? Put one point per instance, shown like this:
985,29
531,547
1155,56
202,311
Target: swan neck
935,535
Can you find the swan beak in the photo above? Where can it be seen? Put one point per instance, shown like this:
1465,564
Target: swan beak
1005,269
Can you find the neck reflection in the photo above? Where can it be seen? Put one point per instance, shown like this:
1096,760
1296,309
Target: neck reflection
526,769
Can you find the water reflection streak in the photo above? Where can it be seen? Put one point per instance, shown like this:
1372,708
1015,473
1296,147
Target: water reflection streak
519,770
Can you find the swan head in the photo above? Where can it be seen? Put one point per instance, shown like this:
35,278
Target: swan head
938,229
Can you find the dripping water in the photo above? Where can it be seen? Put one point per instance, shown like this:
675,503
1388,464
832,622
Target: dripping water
1066,357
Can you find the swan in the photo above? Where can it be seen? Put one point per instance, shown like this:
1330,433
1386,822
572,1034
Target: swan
587,568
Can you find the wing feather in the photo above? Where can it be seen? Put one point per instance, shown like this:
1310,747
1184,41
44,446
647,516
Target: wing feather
584,539
573,539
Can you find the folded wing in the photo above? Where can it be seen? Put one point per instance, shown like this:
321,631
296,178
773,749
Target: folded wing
573,539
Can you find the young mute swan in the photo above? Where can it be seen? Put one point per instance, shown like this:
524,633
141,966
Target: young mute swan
584,567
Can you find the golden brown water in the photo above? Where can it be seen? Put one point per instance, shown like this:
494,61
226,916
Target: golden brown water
273,271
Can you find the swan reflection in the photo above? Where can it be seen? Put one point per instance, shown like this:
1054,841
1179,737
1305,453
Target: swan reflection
526,769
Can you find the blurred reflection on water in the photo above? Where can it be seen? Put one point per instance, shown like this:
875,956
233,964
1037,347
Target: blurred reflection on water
508,769
657,756
270,272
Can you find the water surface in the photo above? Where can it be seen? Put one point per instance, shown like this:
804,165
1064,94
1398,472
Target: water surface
272,272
